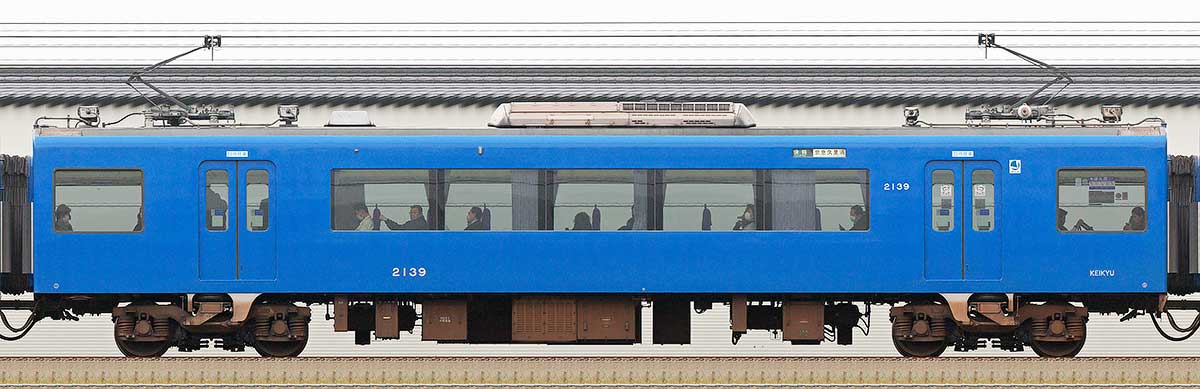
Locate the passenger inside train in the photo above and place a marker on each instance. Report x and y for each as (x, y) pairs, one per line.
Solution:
(365, 221)
(416, 220)
(859, 219)
(583, 222)
(1137, 220)
(746, 220)
(62, 218)
(475, 220)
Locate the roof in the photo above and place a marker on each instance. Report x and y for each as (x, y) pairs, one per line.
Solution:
(1150, 129)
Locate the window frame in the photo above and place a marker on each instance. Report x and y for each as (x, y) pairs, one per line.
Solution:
(762, 187)
(54, 198)
(995, 205)
(245, 189)
(550, 206)
(955, 203)
(229, 189)
(426, 207)
(1145, 195)
(756, 192)
(446, 179)
(866, 206)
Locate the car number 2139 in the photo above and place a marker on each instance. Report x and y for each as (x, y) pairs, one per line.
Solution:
(408, 272)
(896, 186)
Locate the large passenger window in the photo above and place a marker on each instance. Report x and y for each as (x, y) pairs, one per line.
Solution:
(703, 200)
(820, 200)
(98, 201)
(1101, 200)
(482, 200)
(600, 199)
(384, 200)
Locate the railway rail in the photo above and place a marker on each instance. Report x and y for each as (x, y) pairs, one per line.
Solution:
(600, 371)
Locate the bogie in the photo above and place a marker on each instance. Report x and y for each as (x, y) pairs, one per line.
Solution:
(1051, 329)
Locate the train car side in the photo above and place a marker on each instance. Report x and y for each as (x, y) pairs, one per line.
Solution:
(282, 242)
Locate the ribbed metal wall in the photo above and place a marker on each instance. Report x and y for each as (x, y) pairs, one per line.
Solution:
(1148, 85)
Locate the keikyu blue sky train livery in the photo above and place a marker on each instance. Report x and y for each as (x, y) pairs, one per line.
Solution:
(562, 223)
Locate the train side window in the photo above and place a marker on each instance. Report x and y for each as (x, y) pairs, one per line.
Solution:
(98, 201)
(943, 200)
(1101, 200)
(703, 200)
(580, 197)
(820, 200)
(983, 200)
(482, 200)
(258, 201)
(216, 199)
(385, 199)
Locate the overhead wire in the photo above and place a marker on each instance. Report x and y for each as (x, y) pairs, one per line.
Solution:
(603, 35)
(625, 22)
(603, 46)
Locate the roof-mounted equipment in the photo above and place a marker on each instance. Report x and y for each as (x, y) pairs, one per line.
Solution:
(349, 119)
(1021, 110)
(88, 114)
(176, 112)
(621, 114)
(288, 114)
(912, 116)
(1110, 113)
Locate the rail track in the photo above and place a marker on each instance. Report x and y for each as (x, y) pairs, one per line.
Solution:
(599, 371)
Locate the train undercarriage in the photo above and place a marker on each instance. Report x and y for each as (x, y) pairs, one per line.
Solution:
(278, 325)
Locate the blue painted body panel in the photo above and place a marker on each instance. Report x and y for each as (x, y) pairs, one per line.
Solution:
(310, 258)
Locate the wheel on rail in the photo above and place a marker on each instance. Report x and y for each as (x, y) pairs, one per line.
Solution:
(1052, 349)
(143, 349)
(141, 331)
(1055, 329)
(280, 335)
(920, 330)
(287, 349)
(920, 349)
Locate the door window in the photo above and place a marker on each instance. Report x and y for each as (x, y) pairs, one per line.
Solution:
(258, 202)
(983, 200)
(216, 200)
(943, 200)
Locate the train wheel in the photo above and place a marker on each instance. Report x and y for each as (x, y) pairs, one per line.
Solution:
(269, 337)
(1056, 330)
(917, 333)
(143, 336)
(1051, 349)
(281, 349)
(919, 349)
(143, 349)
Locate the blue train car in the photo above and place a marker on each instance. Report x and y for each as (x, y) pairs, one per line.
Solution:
(559, 235)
